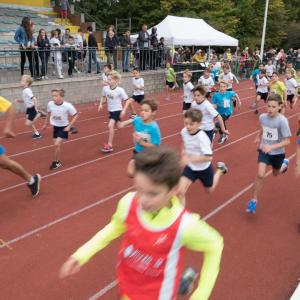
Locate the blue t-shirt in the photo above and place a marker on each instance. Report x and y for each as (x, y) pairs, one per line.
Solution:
(149, 132)
(254, 75)
(224, 102)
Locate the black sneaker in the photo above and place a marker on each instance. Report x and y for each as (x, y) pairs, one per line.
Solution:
(36, 136)
(73, 130)
(222, 167)
(222, 139)
(186, 282)
(55, 165)
(35, 186)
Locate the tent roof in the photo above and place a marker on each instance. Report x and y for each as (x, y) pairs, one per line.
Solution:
(191, 32)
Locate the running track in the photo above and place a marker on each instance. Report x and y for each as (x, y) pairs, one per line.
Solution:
(261, 256)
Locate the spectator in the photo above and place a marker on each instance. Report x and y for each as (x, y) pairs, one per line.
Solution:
(56, 47)
(297, 66)
(154, 49)
(80, 45)
(71, 54)
(161, 52)
(44, 51)
(64, 8)
(199, 57)
(92, 46)
(143, 44)
(24, 37)
(59, 35)
(111, 45)
(187, 57)
(126, 45)
(227, 56)
(66, 36)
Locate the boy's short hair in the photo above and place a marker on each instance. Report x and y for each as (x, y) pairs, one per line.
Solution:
(28, 79)
(136, 69)
(274, 97)
(160, 165)
(108, 66)
(223, 82)
(152, 104)
(199, 88)
(263, 72)
(60, 91)
(115, 75)
(207, 70)
(89, 29)
(194, 114)
(226, 66)
(188, 73)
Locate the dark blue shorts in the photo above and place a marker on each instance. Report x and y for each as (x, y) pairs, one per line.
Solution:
(31, 113)
(290, 98)
(115, 115)
(263, 96)
(205, 176)
(275, 160)
(210, 134)
(170, 84)
(2, 150)
(186, 106)
(138, 98)
(58, 132)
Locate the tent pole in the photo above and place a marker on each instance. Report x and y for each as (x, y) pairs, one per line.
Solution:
(208, 53)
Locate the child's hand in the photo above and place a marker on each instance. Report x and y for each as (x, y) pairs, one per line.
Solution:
(70, 267)
(100, 107)
(266, 148)
(184, 160)
(67, 129)
(257, 140)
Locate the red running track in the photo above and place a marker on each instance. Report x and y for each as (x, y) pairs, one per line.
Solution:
(261, 257)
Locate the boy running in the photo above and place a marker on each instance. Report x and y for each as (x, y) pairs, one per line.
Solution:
(262, 89)
(170, 79)
(270, 68)
(197, 156)
(209, 113)
(114, 96)
(187, 90)
(222, 102)
(207, 81)
(156, 229)
(146, 131)
(59, 112)
(273, 137)
(106, 70)
(278, 87)
(33, 181)
(291, 89)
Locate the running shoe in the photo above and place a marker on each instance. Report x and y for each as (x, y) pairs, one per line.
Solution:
(251, 208)
(36, 136)
(73, 130)
(222, 167)
(107, 148)
(35, 186)
(222, 139)
(256, 112)
(284, 166)
(187, 279)
(253, 105)
(55, 165)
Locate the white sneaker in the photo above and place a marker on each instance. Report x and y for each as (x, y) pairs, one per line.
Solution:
(61, 77)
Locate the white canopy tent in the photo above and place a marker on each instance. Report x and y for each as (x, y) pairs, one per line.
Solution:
(184, 31)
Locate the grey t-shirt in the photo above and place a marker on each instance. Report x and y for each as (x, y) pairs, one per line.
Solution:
(274, 131)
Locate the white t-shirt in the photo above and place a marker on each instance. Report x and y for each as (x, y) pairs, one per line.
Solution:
(27, 97)
(114, 98)
(262, 85)
(59, 114)
(79, 40)
(291, 86)
(140, 83)
(104, 78)
(197, 144)
(208, 83)
(187, 92)
(269, 70)
(208, 114)
(228, 78)
(54, 42)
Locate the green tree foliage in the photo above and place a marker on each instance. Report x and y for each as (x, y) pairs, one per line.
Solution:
(242, 19)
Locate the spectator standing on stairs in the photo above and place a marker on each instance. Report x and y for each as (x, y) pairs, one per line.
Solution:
(64, 8)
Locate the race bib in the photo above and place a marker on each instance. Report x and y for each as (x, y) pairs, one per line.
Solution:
(270, 134)
(57, 118)
(226, 103)
(144, 136)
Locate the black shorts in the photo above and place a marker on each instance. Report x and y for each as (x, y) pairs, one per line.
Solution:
(229, 90)
(186, 106)
(138, 98)
(205, 176)
(58, 132)
(115, 115)
(210, 134)
(275, 160)
(263, 96)
(207, 95)
(290, 98)
(31, 113)
(170, 84)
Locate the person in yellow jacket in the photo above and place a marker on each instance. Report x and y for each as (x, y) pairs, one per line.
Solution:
(156, 230)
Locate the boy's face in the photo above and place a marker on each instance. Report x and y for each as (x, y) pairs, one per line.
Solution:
(71, 41)
(275, 77)
(152, 196)
(198, 97)
(289, 65)
(273, 108)
(206, 74)
(146, 112)
(269, 62)
(135, 73)
(191, 126)
(24, 82)
(56, 97)
(223, 88)
(226, 71)
(111, 81)
(261, 67)
(289, 75)
(106, 70)
(185, 78)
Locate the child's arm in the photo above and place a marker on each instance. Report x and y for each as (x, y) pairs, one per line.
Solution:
(125, 123)
(235, 79)
(35, 102)
(258, 137)
(103, 99)
(111, 231)
(74, 118)
(267, 148)
(199, 236)
(238, 100)
(46, 121)
(127, 104)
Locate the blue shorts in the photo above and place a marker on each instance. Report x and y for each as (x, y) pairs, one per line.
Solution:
(210, 134)
(138, 98)
(58, 132)
(186, 106)
(205, 176)
(31, 113)
(298, 141)
(2, 150)
(275, 160)
(115, 115)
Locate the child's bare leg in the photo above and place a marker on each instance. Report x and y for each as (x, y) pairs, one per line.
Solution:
(131, 168)
(217, 176)
(10, 116)
(258, 183)
(13, 166)
(111, 131)
(57, 148)
(184, 184)
(167, 91)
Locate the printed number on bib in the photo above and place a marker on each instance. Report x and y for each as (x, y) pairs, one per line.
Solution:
(270, 134)
(226, 103)
(144, 136)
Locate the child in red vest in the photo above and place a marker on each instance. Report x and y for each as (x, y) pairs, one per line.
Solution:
(156, 230)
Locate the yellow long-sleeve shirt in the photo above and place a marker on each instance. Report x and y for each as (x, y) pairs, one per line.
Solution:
(197, 236)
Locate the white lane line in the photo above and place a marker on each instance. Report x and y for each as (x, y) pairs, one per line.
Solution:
(295, 296)
(112, 284)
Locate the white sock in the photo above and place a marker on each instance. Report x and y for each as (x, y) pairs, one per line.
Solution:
(31, 181)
